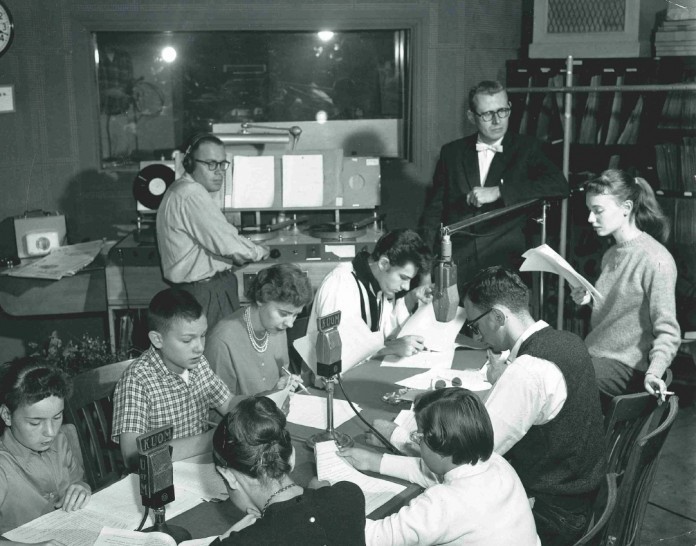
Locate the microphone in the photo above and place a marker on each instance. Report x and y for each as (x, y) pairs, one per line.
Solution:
(157, 479)
(329, 367)
(446, 296)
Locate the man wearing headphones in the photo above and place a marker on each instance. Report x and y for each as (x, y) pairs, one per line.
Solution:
(198, 247)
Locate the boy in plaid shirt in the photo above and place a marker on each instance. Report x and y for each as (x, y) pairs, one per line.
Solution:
(171, 383)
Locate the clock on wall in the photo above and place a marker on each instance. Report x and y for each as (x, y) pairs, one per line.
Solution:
(6, 28)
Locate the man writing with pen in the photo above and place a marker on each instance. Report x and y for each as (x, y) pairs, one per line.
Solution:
(489, 169)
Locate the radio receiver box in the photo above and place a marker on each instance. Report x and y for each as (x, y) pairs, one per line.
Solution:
(33, 233)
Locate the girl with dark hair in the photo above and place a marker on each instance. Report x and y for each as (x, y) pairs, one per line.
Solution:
(473, 496)
(635, 334)
(38, 471)
(249, 349)
(253, 453)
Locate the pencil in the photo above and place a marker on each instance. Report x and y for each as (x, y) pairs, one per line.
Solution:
(300, 385)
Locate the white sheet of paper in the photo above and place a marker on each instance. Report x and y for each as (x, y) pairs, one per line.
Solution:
(124, 537)
(303, 180)
(280, 396)
(406, 419)
(331, 468)
(355, 346)
(424, 359)
(437, 335)
(253, 182)
(310, 411)
(200, 479)
(474, 380)
(545, 258)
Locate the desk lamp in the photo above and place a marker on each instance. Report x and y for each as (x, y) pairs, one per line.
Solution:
(328, 347)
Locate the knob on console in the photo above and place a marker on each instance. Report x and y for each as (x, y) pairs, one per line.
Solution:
(275, 253)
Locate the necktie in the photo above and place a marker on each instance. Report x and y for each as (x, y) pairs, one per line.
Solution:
(480, 146)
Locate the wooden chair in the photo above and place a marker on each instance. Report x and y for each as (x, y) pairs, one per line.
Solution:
(601, 511)
(629, 416)
(636, 483)
(90, 410)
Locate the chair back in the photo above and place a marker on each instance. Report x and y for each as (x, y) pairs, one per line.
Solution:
(628, 415)
(601, 511)
(90, 409)
(636, 483)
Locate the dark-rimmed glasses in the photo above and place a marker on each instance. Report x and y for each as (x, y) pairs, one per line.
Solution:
(472, 325)
(215, 165)
(501, 113)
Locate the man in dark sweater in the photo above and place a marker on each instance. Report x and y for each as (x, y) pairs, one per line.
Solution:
(544, 405)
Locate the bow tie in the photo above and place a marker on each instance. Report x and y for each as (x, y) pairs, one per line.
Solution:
(480, 146)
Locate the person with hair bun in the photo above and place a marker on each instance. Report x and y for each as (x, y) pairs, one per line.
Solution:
(635, 333)
(249, 349)
(253, 453)
(38, 471)
(473, 496)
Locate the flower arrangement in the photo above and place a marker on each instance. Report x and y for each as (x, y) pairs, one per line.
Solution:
(75, 356)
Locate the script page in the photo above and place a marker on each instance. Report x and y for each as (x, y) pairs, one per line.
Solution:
(331, 468)
(438, 336)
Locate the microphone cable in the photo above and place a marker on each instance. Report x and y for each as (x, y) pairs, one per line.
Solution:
(142, 521)
(381, 438)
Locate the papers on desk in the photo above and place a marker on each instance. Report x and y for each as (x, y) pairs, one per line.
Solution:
(123, 537)
(474, 380)
(119, 506)
(545, 258)
(332, 468)
(310, 411)
(424, 359)
(63, 261)
(437, 336)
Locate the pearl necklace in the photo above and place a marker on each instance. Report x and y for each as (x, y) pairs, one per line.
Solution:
(259, 344)
(263, 511)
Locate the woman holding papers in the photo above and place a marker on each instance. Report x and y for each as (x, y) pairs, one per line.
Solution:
(38, 471)
(253, 453)
(249, 349)
(472, 496)
(635, 334)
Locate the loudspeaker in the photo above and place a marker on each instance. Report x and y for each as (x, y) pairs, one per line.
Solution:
(360, 182)
(34, 233)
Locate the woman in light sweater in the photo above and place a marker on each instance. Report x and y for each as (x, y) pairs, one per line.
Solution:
(473, 496)
(635, 334)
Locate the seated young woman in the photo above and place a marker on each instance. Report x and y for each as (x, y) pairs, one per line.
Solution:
(38, 471)
(249, 349)
(253, 452)
(473, 496)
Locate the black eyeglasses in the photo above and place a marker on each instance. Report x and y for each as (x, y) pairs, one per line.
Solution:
(472, 327)
(501, 113)
(214, 165)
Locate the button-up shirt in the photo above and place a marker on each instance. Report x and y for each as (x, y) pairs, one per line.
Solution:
(195, 239)
(149, 396)
(32, 482)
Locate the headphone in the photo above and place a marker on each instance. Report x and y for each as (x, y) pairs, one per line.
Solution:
(189, 162)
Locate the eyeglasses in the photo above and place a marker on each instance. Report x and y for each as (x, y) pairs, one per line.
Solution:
(214, 165)
(416, 437)
(501, 113)
(472, 326)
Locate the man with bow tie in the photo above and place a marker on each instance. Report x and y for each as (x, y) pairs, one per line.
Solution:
(484, 171)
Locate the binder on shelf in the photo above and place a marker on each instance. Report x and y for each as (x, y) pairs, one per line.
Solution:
(589, 125)
(630, 132)
(615, 115)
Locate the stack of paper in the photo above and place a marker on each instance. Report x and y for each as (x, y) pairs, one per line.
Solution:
(332, 468)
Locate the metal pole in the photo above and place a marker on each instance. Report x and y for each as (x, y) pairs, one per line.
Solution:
(567, 132)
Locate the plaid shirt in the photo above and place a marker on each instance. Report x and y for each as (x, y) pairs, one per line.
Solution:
(149, 395)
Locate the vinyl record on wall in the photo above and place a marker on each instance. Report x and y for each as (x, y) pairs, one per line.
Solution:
(151, 183)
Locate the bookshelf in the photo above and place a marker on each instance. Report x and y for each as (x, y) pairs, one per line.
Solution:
(636, 114)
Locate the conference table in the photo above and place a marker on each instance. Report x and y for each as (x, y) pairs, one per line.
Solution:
(365, 386)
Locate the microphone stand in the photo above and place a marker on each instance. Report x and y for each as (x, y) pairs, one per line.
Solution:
(341, 439)
(179, 534)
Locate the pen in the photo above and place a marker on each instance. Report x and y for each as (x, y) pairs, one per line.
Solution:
(299, 384)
